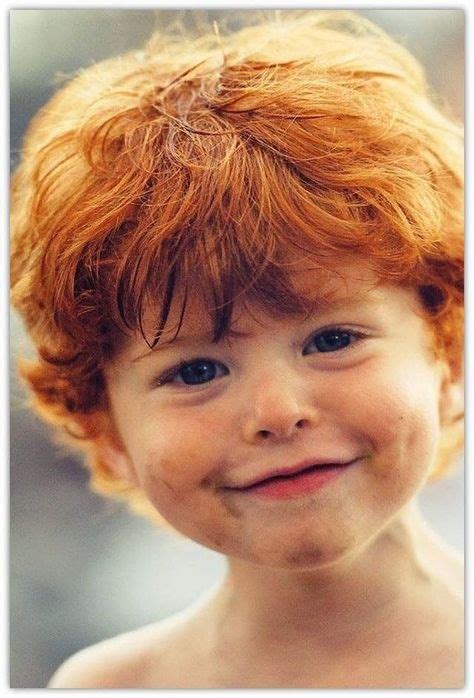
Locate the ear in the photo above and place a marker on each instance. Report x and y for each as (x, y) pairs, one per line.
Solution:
(451, 404)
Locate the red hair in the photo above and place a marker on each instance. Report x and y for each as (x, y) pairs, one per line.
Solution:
(205, 165)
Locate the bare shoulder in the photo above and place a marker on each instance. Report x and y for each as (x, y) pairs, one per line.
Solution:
(442, 656)
(449, 565)
(447, 614)
(124, 661)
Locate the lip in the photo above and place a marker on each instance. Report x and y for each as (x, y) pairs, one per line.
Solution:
(292, 483)
(298, 468)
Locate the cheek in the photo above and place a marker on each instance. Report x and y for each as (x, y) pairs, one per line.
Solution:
(399, 413)
(173, 460)
(174, 455)
(175, 481)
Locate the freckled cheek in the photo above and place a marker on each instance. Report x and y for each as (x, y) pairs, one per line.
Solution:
(191, 510)
(174, 481)
(400, 417)
(179, 453)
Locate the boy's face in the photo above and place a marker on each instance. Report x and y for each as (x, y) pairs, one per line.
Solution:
(353, 384)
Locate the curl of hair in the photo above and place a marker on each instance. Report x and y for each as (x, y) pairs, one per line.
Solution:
(204, 164)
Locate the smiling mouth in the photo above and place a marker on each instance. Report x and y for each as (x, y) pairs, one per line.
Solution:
(294, 476)
(282, 484)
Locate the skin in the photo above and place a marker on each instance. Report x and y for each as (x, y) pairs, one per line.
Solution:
(344, 586)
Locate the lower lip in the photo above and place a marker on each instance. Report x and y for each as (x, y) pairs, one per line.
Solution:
(297, 485)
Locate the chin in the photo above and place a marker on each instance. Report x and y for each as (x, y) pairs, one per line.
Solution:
(304, 554)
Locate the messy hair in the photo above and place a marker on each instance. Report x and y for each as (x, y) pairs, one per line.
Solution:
(205, 164)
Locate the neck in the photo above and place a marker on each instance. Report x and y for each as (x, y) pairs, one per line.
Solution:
(329, 604)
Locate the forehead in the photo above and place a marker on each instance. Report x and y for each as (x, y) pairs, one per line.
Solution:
(319, 286)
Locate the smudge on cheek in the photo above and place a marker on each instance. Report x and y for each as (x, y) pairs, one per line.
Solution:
(161, 488)
(192, 509)
(176, 474)
(231, 507)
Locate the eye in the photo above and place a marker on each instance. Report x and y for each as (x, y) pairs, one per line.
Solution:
(196, 372)
(331, 340)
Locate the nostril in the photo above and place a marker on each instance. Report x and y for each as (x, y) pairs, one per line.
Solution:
(267, 433)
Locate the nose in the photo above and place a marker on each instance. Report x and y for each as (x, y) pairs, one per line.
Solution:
(277, 410)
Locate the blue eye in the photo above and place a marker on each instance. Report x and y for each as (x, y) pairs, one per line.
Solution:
(197, 372)
(330, 341)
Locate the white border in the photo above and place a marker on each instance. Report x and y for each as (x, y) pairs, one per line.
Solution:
(243, 4)
(4, 405)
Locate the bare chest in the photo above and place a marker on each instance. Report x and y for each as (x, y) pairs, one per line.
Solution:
(423, 661)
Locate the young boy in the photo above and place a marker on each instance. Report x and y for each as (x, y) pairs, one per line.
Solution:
(241, 264)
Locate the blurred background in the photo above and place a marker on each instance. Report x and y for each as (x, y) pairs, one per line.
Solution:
(83, 568)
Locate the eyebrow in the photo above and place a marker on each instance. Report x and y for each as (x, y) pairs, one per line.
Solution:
(320, 305)
(189, 340)
(182, 339)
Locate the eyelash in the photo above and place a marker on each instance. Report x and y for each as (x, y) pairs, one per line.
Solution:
(170, 375)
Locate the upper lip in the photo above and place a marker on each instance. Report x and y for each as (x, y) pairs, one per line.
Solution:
(290, 471)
